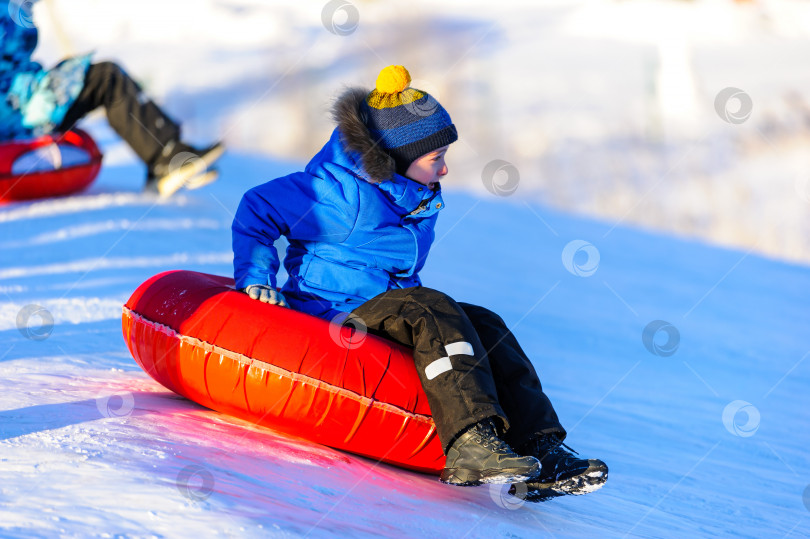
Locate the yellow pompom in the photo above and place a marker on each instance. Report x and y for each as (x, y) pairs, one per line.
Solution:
(393, 79)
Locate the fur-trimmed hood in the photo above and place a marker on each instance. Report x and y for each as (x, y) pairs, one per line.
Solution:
(350, 118)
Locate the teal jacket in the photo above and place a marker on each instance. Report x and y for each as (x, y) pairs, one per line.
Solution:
(34, 100)
(349, 239)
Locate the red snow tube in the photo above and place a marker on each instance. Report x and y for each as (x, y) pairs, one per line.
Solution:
(48, 166)
(298, 374)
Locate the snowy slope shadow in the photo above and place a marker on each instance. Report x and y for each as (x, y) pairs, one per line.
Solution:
(45, 417)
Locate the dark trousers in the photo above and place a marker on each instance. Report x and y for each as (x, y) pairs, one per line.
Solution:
(136, 119)
(471, 366)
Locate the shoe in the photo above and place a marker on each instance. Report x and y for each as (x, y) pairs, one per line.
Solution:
(479, 456)
(178, 164)
(562, 472)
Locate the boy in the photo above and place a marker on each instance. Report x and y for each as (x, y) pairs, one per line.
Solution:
(360, 222)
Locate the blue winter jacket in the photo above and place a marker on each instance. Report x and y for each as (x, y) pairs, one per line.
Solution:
(349, 239)
(33, 101)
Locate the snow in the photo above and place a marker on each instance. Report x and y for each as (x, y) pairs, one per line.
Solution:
(703, 422)
(90, 445)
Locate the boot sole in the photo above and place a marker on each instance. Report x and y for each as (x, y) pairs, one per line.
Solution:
(590, 480)
(201, 180)
(174, 181)
(464, 477)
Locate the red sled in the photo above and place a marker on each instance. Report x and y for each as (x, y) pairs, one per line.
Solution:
(49, 166)
(283, 369)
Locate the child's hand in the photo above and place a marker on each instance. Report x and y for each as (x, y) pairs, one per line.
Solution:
(266, 294)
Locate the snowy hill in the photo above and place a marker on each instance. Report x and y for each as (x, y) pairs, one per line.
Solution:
(706, 438)
(606, 107)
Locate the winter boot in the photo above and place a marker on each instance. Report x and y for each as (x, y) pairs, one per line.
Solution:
(180, 165)
(479, 456)
(562, 473)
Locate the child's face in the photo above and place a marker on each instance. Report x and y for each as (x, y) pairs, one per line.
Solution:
(429, 169)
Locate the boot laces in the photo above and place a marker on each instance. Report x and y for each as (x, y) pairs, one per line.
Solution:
(489, 437)
(561, 447)
(556, 457)
(549, 445)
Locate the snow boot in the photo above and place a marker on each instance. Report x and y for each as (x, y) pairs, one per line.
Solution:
(562, 472)
(479, 456)
(180, 165)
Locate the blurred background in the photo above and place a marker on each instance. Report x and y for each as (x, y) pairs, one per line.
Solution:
(689, 117)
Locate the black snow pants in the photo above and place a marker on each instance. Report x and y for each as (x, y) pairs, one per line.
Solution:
(136, 119)
(471, 366)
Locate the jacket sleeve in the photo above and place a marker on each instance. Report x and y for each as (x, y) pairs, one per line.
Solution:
(301, 207)
(18, 73)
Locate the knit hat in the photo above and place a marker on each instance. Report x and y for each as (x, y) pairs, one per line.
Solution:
(405, 122)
